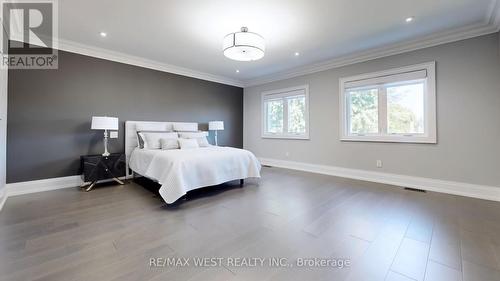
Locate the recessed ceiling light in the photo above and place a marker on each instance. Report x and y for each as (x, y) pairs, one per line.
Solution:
(237, 71)
(297, 54)
(103, 34)
(409, 19)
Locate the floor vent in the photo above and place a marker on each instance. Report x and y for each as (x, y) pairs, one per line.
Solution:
(415, 189)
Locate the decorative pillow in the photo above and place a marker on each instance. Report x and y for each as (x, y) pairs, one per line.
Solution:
(193, 135)
(188, 143)
(152, 139)
(140, 138)
(167, 144)
(185, 127)
(203, 142)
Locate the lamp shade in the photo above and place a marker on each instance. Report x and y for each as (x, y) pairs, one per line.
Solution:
(104, 123)
(216, 125)
(243, 46)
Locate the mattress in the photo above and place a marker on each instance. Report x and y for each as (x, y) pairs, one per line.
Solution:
(181, 170)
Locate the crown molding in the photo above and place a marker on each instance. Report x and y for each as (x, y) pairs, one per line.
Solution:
(385, 51)
(491, 24)
(106, 54)
(73, 47)
(102, 53)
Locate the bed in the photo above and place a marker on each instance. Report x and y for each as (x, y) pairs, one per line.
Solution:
(181, 170)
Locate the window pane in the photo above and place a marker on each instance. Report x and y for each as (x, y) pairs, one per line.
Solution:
(274, 116)
(405, 109)
(363, 111)
(296, 115)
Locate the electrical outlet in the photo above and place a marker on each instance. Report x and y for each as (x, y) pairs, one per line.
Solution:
(379, 163)
(113, 134)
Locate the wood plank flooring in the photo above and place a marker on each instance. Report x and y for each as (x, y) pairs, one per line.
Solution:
(387, 233)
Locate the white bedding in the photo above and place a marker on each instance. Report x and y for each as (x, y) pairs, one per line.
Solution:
(179, 171)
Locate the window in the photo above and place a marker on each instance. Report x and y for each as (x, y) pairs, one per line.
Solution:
(397, 105)
(285, 113)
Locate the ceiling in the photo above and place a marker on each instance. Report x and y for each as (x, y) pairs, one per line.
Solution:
(188, 33)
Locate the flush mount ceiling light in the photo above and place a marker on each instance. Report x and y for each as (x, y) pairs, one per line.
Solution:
(243, 45)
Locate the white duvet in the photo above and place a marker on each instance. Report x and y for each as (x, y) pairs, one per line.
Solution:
(179, 171)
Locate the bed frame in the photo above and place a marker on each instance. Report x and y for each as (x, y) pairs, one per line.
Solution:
(131, 137)
(131, 140)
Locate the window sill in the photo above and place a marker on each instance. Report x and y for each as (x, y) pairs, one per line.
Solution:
(391, 139)
(291, 137)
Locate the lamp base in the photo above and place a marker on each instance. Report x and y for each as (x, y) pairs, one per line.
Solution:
(106, 153)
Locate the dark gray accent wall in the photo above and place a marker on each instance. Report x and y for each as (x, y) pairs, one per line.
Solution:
(49, 111)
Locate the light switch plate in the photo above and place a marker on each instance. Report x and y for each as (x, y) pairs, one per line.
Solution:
(113, 134)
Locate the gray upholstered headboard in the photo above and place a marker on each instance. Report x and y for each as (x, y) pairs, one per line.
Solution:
(131, 135)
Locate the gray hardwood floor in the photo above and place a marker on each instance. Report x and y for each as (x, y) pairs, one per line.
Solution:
(386, 233)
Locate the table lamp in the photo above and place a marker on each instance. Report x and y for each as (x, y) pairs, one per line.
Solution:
(216, 126)
(105, 123)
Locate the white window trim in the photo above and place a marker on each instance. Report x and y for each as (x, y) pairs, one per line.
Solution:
(285, 135)
(430, 136)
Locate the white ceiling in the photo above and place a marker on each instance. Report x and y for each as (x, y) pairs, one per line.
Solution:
(188, 33)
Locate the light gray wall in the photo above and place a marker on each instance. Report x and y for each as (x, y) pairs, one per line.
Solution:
(50, 110)
(468, 118)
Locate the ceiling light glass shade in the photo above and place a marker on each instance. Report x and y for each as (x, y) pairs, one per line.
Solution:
(244, 46)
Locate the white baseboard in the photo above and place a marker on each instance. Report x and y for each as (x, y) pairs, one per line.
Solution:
(19, 188)
(442, 186)
(25, 187)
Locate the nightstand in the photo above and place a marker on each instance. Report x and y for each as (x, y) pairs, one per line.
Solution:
(96, 168)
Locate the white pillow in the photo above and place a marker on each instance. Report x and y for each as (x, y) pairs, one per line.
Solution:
(186, 127)
(152, 140)
(203, 142)
(193, 135)
(167, 144)
(188, 143)
(140, 136)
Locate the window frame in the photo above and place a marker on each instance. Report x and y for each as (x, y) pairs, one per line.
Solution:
(430, 125)
(283, 94)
